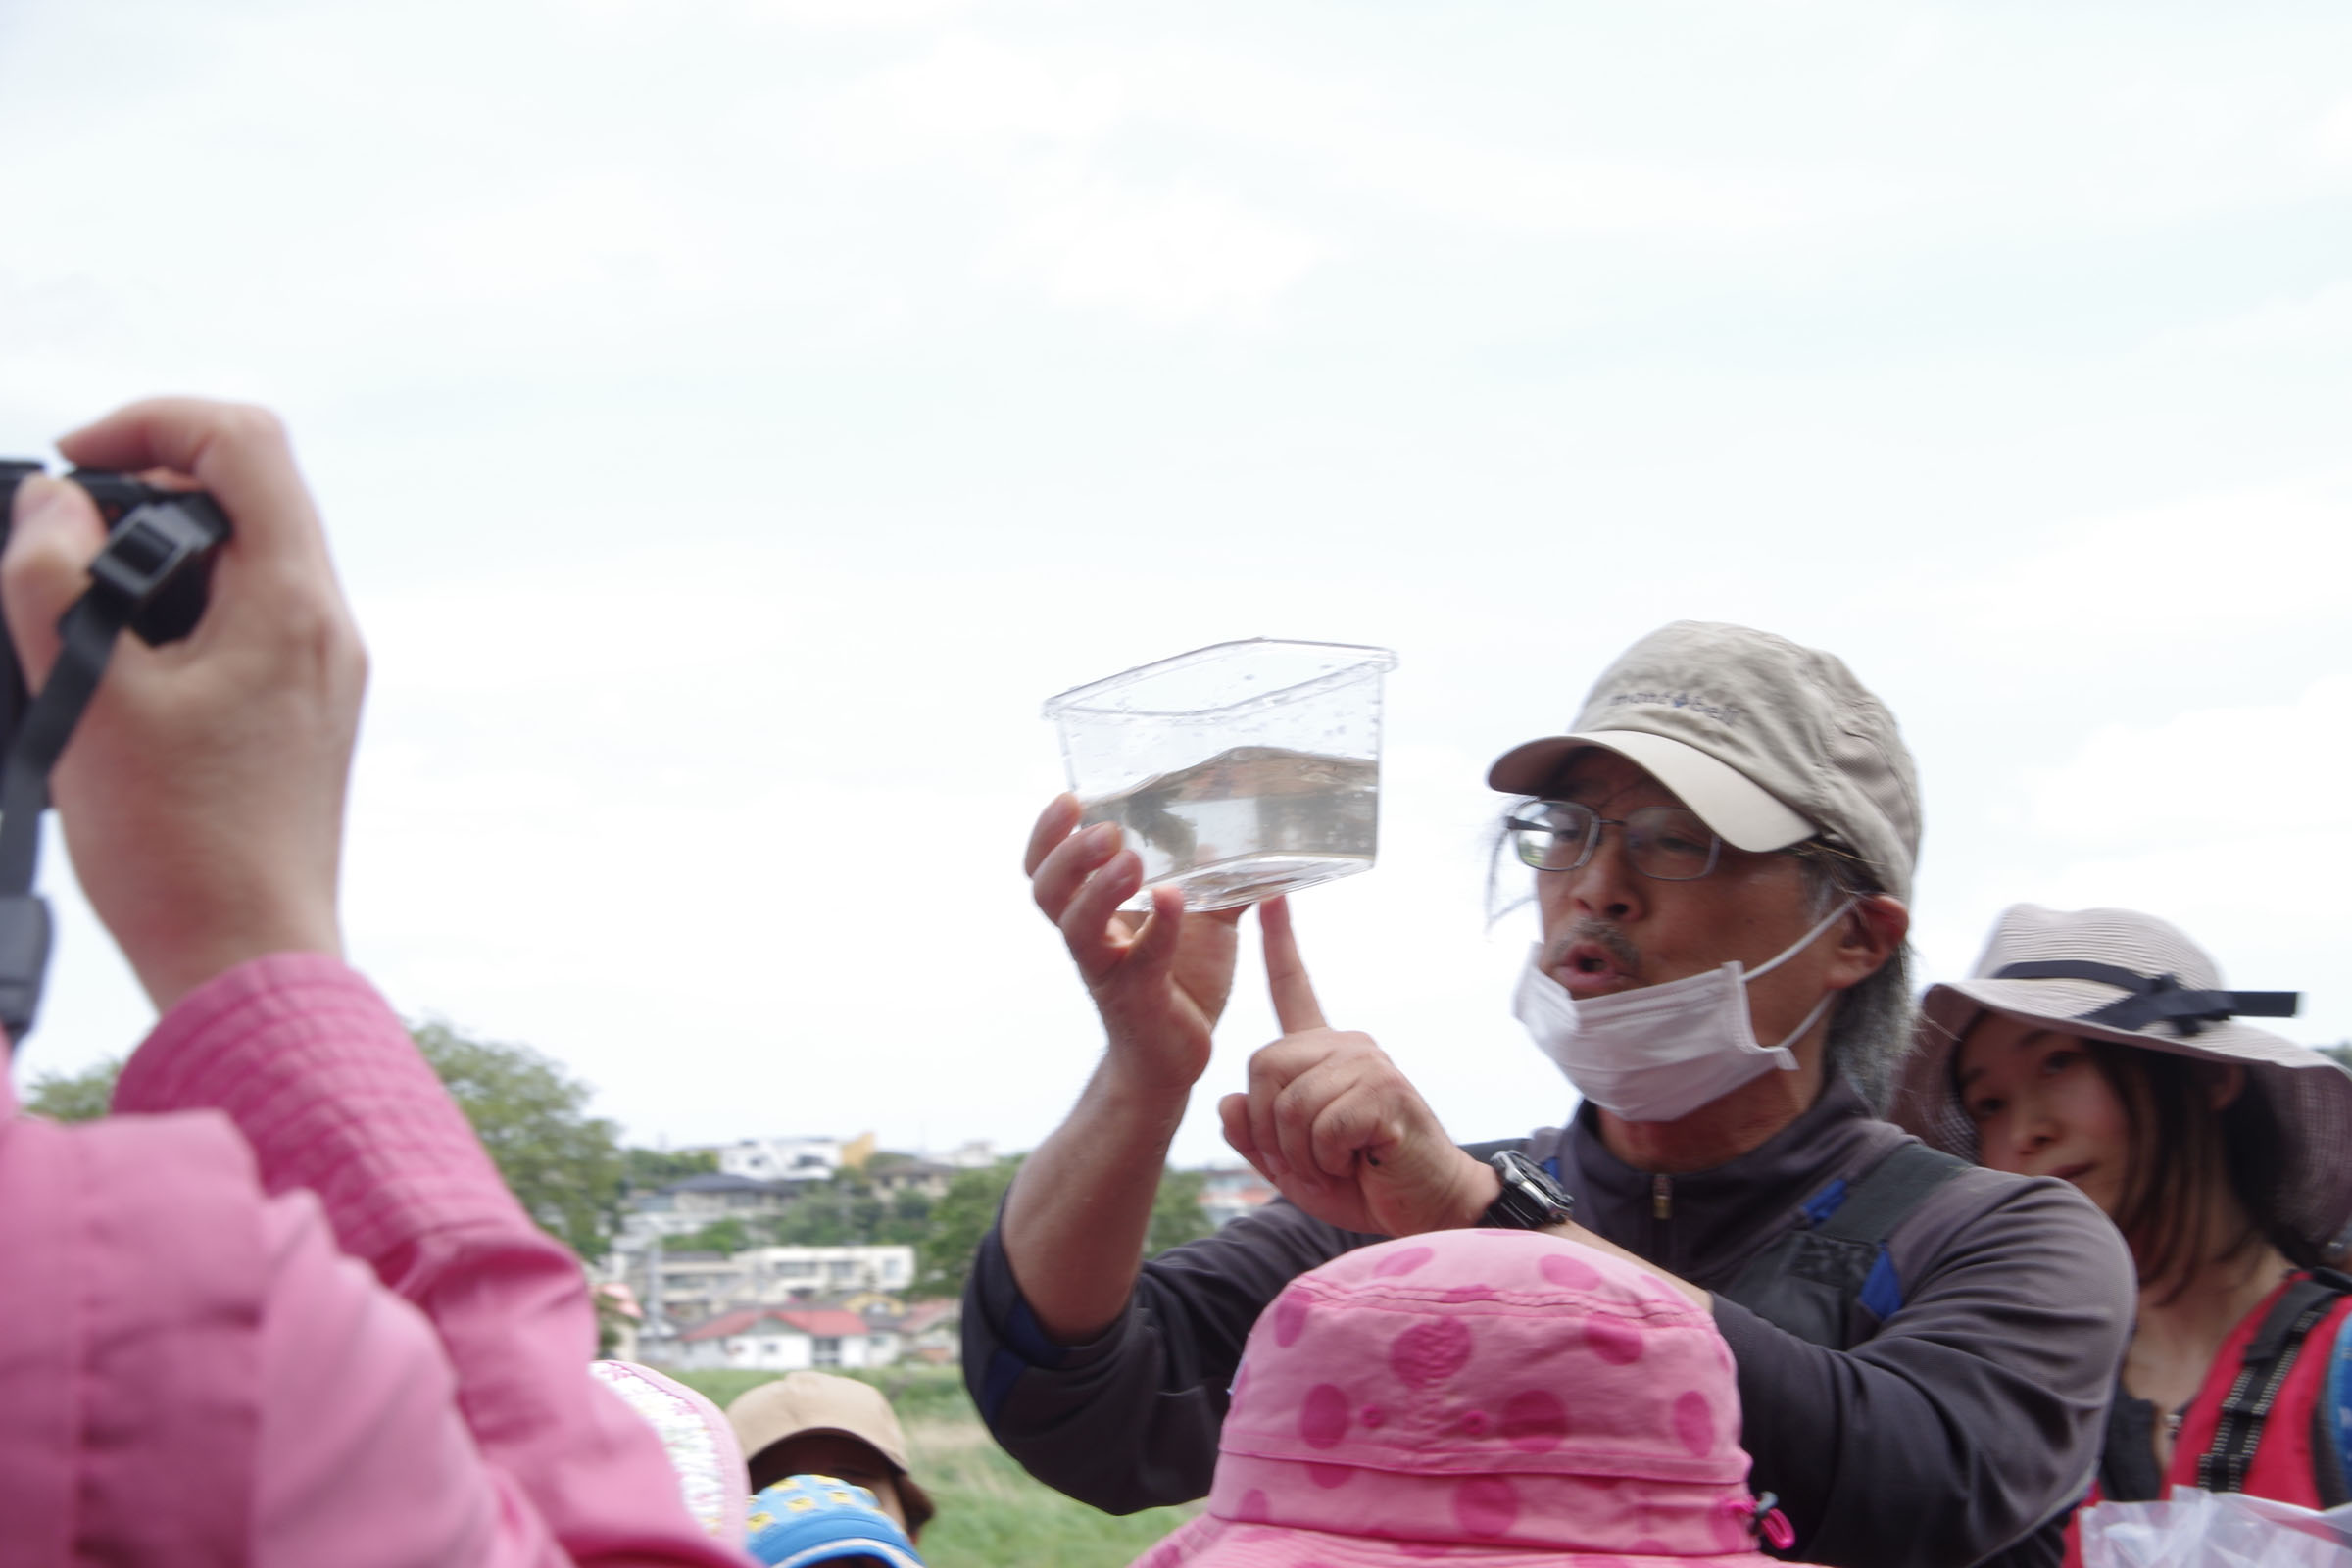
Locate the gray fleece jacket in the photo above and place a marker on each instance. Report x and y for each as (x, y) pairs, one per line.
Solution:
(1959, 1430)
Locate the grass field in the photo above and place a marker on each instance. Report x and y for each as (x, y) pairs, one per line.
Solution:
(991, 1513)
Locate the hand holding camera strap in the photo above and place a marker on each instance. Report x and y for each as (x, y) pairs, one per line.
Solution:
(146, 551)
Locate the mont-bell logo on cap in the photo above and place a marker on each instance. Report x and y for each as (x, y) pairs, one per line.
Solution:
(1721, 713)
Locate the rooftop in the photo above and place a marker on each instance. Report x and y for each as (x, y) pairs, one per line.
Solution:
(818, 1322)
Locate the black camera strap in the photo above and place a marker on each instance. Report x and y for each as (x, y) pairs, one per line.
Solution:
(146, 549)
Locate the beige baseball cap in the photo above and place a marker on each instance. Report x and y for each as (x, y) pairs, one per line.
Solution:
(818, 1401)
(1770, 742)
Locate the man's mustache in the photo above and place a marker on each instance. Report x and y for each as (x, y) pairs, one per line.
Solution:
(1604, 933)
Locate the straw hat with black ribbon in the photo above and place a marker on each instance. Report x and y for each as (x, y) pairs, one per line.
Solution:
(2114, 974)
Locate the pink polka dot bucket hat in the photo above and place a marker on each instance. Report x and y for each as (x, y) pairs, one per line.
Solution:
(1494, 1397)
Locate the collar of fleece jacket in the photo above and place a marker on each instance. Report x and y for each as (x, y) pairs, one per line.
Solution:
(1719, 1217)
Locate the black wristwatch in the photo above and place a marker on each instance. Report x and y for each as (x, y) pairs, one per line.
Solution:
(1531, 1200)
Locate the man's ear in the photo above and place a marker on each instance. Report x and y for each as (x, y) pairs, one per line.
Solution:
(1871, 933)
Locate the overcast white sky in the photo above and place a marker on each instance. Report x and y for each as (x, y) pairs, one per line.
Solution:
(735, 415)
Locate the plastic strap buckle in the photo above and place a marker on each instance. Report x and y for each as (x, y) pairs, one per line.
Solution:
(1767, 1520)
(146, 548)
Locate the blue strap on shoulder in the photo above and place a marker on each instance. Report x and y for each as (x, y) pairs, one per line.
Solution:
(1025, 1346)
(2339, 1392)
(1881, 1291)
(1819, 1208)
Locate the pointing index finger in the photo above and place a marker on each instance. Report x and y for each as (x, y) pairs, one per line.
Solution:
(1295, 1004)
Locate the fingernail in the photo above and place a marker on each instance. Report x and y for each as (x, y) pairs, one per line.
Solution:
(1101, 834)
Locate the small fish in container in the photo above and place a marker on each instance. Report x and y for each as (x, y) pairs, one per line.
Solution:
(1238, 770)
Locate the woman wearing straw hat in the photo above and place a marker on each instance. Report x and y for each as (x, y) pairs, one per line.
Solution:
(2099, 1047)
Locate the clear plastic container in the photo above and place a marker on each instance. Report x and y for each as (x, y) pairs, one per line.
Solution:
(1238, 770)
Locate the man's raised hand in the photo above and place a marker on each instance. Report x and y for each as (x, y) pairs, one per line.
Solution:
(1330, 1120)
(1159, 981)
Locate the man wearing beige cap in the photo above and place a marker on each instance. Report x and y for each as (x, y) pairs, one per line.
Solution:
(1720, 848)
(813, 1423)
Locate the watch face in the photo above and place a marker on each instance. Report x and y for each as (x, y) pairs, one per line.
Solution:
(1531, 1200)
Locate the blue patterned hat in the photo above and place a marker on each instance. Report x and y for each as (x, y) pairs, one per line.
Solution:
(812, 1519)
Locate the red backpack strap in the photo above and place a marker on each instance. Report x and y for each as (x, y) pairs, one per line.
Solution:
(2262, 1372)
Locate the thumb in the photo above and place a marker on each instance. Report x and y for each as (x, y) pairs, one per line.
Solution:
(1233, 1111)
(55, 535)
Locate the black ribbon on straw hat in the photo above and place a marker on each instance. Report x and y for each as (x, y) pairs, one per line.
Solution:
(2160, 999)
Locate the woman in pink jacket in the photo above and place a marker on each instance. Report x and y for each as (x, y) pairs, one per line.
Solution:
(280, 1309)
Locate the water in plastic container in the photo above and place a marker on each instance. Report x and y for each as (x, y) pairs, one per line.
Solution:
(1250, 822)
(1240, 771)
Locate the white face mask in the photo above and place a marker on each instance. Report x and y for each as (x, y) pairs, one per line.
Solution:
(1659, 1052)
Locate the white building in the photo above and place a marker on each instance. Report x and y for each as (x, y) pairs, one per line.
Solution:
(781, 1274)
(695, 1287)
(781, 1340)
(977, 1154)
(781, 1159)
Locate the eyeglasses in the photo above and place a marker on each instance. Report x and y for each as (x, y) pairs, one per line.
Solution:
(1670, 843)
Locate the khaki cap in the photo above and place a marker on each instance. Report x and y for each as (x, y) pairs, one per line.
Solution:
(815, 1401)
(1770, 742)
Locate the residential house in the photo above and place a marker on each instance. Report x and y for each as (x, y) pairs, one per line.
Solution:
(779, 1339)
(929, 1177)
(698, 1286)
(871, 1304)
(976, 1155)
(794, 1159)
(692, 1287)
(932, 1332)
(782, 1275)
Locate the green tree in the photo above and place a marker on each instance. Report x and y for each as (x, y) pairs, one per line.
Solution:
(847, 1211)
(1177, 1217)
(814, 1220)
(726, 1236)
(957, 1222)
(564, 1165)
(909, 1219)
(74, 1097)
(643, 1169)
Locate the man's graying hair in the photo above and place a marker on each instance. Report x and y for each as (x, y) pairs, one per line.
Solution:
(1870, 1026)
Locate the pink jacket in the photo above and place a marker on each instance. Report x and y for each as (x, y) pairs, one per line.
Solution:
(280, 1309)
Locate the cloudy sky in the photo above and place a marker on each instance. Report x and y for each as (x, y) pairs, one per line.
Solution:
(735, 415)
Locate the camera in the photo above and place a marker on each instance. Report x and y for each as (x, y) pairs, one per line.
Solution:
(158, 558)
(150, 577)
